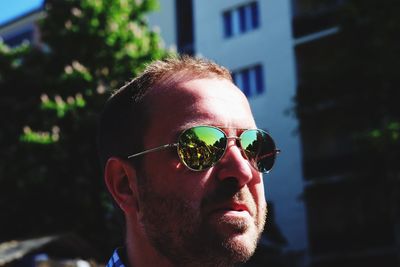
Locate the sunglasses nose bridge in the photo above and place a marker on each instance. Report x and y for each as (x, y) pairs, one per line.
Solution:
(236, 139)
(233, 137)
(238, 143)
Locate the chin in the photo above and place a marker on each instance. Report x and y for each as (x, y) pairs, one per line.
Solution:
(244, 243)
(241, 244)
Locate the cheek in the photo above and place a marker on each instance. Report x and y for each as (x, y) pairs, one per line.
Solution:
(258, 194)
(190, 186)
(168, 176)
(258, 191)
(160, 169)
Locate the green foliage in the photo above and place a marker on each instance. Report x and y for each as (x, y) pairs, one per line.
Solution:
(391, 131)
(385, 138)
(44, 138)
(51, 179)
(60, 106)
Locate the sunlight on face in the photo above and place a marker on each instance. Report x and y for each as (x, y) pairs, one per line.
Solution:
(214, 216)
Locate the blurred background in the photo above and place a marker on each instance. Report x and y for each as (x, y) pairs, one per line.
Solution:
(321, 77)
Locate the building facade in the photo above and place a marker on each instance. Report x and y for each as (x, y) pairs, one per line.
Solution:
(23, 28)
(351, 193)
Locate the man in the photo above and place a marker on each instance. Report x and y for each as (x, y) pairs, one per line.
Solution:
(183, 159)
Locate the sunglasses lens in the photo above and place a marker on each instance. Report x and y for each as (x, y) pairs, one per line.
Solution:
(259, 149)
(201, 147)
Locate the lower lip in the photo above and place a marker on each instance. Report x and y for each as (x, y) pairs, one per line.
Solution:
(232, 213)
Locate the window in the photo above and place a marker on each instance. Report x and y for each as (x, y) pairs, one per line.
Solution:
(19, 36)
(240, 20)
(184, 26)
(250, 80)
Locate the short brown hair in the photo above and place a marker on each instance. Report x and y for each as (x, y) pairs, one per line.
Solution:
(123, 121)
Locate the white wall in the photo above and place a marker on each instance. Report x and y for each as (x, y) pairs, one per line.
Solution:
(164, 20)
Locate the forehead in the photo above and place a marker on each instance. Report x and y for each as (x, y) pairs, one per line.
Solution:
(199, 102)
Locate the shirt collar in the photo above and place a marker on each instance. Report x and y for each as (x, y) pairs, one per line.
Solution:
(115, 260)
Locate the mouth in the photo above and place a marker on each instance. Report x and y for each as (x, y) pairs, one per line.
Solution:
(232, 208)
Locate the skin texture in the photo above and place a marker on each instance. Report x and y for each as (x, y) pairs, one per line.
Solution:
(179, 217)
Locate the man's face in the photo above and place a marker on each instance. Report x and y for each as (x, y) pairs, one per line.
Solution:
(214, 216)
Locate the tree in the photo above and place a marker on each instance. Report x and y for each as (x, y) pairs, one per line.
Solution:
(51, 95)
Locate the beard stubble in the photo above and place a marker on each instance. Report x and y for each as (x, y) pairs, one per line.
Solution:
(181, 231)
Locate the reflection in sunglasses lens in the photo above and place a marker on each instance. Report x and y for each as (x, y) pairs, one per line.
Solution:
(201, 147)
(259, 149)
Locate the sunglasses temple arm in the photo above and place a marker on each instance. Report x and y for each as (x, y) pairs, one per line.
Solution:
(152, 150)
(275, 152)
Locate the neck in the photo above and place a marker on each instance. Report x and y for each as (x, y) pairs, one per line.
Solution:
(139, 250)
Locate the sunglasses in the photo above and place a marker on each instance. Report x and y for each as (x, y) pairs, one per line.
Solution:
(201, 147)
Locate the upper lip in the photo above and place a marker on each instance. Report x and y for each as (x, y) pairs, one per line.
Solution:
(235, 206)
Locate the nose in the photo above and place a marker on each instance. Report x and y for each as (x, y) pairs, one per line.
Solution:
(234, 165)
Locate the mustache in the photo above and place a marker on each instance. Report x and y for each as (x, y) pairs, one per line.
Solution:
(227, 190)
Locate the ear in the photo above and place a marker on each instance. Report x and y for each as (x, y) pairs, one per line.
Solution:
(121, 180)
